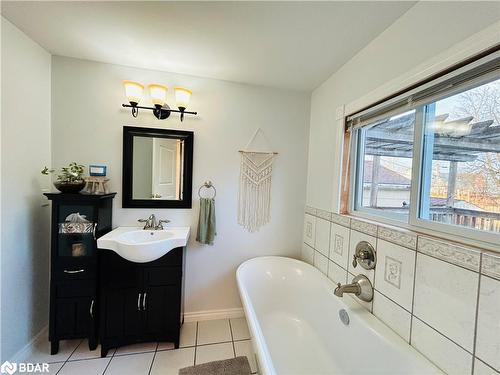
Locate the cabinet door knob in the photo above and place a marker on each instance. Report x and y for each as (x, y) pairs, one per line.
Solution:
(139, 302)
(92, 309)
(144, 301)
(74, 271)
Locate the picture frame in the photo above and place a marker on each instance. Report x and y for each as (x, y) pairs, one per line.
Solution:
(97, 170)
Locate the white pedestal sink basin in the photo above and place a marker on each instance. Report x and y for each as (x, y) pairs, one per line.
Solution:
(138, 245)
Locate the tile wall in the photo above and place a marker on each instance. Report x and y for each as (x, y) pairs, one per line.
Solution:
(442, 298)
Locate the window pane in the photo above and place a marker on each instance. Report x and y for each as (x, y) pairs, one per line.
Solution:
(461, 159)
(385, 162)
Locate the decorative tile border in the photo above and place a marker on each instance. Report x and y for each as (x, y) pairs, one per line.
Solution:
(448, 252)
(490, 265)
(363, 226)
(399, 237)
(310, 210)
(341, 220)
(322, 214)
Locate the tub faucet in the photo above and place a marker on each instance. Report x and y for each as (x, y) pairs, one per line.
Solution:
(152, 224)
(361, 287)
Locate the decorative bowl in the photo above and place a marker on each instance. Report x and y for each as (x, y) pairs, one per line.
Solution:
(70, 187)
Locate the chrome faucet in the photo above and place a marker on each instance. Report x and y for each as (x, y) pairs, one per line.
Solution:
(361, 287)
(152, 224)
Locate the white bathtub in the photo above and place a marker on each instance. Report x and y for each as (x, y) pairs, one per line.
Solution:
(293, 317)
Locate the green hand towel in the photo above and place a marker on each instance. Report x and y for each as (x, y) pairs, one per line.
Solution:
(206, 222)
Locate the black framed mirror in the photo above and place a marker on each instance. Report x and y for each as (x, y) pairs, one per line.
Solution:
(157, 168)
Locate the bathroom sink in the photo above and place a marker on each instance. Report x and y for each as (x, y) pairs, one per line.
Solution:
(138, 245)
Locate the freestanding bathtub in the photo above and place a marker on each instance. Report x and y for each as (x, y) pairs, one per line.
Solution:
(293, 317)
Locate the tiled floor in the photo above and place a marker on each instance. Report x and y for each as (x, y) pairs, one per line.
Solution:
(200, 342)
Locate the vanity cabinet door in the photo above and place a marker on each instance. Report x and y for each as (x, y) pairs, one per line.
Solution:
(123, 315)
(162, 311)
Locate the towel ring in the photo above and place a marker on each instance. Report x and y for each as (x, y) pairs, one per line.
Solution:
(207, 185)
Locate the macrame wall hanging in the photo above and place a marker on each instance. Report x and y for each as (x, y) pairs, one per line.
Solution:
(254, 199)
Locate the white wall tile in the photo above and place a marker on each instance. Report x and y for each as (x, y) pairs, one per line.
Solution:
(321, 262)
(444, 353)
(395, 272)
(309, 229)
(480, 368)
(355, 238)
(322, 241)
(339, 245)
(307, 254)
(445, 298)
(336, 273)
(488, 322)
(394, 316)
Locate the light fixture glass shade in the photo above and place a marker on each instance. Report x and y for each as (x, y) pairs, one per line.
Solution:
(133, 92)
(182, 97)
(158, 94)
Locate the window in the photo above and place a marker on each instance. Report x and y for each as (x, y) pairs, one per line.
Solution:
(461, 159)
(386, 165)
(431, 157)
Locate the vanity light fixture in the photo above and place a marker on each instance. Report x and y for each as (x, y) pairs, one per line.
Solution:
(158, 93)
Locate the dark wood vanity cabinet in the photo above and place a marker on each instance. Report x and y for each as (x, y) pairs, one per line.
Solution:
(140, 302)
(74, 260)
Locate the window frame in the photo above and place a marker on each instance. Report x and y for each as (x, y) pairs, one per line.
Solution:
(414, 222)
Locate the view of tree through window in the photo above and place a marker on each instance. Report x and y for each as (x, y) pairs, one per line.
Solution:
(461, 168)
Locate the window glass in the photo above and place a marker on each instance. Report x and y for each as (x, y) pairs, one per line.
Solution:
(461, 159)
(385, 164)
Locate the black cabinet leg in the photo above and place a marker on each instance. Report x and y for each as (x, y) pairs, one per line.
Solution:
(104, 351)
(176, 344)
(54, 347)
(92, 343)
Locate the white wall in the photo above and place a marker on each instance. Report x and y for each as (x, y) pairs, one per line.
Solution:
(87, 127)
(428, 37)
(25, 231)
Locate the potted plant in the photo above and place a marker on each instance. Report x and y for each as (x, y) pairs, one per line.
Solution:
(70, 180)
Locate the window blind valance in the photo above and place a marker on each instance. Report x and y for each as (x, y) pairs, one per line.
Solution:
(474, 71)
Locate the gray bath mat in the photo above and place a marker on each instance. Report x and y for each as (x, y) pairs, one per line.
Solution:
(233, 366)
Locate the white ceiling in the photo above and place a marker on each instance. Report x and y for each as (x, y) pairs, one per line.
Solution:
(292, 45)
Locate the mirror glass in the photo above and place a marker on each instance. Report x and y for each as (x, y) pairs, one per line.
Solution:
(158, 168)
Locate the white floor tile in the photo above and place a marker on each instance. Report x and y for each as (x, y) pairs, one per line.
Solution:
(188, 334)
(83, 352)
(482, 369)
(137, 348)
(213, 331)
(85, 367)
(41, 353)
(135, 364)
(245, 348)
(165, 346)
(239, 328)
(215, 352)
(169, 362)
(54, 368)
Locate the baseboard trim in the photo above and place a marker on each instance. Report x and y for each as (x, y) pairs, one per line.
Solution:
(23, 354)
(214, 314)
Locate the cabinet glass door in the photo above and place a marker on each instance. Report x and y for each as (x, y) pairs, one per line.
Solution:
(76, 231)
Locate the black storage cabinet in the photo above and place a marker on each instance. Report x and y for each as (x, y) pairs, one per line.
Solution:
(74, 266)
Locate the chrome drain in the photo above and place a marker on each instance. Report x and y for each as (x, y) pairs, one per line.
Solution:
(344, 317)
